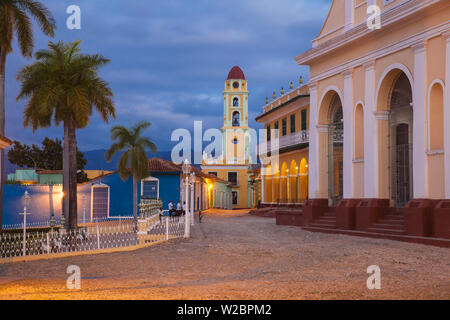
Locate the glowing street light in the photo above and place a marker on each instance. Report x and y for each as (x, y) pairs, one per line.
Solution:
(186, 171)
(26, 202)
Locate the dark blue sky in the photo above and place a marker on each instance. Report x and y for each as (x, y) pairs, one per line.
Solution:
(170, 59)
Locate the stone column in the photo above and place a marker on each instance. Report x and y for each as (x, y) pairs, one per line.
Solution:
(348, 115)
(263, 185)
(447, 116)
(349, 14)
(420, 160)
(313, 161)
(370, 135)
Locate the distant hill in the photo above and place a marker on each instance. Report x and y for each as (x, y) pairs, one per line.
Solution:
(95, 160)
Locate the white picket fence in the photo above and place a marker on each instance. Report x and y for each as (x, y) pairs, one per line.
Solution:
(95, 236)
(46, 223)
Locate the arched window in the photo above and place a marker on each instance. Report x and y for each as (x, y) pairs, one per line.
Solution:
(236, 102)
(236, 119)
(402, 93)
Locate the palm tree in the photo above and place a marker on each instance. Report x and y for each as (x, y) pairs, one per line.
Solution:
(63, 85)
(15, 19)
(134, 161)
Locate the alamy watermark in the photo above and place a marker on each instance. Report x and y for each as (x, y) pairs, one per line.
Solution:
(74, 280)
(373, 17)
(374, 281)
(73, 22)
(227, 146)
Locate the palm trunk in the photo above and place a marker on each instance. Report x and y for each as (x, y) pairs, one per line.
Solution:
(70, 176)
(135, 204)
(2, 127)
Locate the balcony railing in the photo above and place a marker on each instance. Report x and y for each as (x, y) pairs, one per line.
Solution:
(293, 139)
(296, 138)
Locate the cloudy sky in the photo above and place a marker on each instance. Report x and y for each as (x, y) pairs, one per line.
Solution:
(170, 59)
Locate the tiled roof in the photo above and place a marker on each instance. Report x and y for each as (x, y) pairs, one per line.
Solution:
(161, 165)
(6, 140)
(236, 73)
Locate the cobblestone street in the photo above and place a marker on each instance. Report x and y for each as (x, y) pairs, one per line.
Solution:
(237, 256)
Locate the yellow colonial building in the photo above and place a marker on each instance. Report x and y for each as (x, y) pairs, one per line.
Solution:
(284, 154)
(235, 163)
(380, 73)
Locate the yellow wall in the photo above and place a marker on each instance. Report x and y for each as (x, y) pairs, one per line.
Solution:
(242, 181)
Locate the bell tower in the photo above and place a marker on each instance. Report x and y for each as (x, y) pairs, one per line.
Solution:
(235, 120)
(233, 164)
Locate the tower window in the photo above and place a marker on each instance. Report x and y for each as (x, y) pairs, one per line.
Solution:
(236, 119)
(235, 84)
(268, 133)
(235, 102)
(235, 141)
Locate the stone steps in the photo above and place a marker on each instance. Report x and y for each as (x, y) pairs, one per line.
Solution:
(385, 231)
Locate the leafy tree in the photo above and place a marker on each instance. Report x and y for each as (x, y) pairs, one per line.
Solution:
(134, 160)
(63, 85)
(49, 157)
(15, 18)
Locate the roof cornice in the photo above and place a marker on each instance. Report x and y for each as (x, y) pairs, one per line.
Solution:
(388, 17)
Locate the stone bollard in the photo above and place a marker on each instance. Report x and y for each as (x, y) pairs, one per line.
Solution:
(142, 231)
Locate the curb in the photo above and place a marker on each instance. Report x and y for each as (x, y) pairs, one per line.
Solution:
(79, 253)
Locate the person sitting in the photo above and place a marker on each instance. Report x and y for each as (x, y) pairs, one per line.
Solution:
(160, 213)
(171, 209)
(184, 208)
(179, 209)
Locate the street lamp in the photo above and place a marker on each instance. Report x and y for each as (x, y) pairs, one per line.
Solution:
(186, 171)
(84, 211)
(63, 218)
(26, 202)
(193, 178)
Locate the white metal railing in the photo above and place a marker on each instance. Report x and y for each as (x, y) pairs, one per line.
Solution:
(338, 135)
(47, 223)
(95, 236)
(296, 138)
(292, 139)
(149, 207)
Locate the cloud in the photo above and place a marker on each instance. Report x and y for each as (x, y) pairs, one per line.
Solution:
(169, 59)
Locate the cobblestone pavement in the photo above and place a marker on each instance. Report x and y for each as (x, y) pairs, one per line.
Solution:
(237, 256)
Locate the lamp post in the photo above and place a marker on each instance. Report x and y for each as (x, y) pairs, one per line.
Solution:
(84, 211)
(187, 225)
(63, 218)
(192, 202)
(26, 200)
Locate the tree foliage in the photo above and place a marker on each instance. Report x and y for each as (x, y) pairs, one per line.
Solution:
(47, 157)
(134, 161)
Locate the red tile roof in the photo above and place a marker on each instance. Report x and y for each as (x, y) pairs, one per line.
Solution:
(236, 73)
(161, 165)
(6, 140)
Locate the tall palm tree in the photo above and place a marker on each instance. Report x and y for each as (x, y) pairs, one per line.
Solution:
(134, 161)
(63, 85)
(15, 19)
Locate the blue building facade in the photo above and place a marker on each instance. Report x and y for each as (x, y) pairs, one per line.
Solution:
(102, 198)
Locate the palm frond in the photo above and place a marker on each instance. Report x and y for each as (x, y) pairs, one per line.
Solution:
(41, 14)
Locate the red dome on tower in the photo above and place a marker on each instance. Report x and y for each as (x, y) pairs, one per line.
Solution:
(236, 74)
